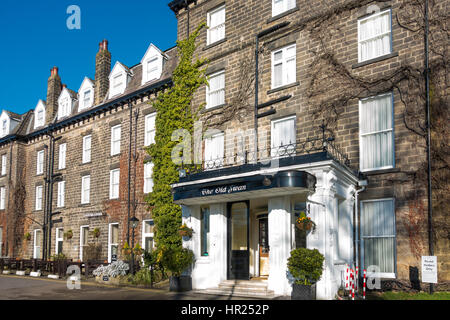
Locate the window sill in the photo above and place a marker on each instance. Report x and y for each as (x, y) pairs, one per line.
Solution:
(203, 260)
(283, 87)
(209, 46)
(374, 60)
(81, 205)
(114, 155)
(213, 108)
(380, 171)
(283, 14)
(85, 163)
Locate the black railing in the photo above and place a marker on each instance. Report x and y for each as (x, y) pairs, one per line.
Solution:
(300, 147)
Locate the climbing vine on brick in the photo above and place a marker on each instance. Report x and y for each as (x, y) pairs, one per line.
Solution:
(174, 112)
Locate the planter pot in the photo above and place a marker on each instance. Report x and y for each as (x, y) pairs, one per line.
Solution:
(305, 226)
(303, 292)
(180, 284)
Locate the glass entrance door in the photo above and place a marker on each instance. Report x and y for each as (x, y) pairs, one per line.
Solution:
(238, 241)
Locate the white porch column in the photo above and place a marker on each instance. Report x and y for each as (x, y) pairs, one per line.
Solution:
(280, 244)
(323, 208)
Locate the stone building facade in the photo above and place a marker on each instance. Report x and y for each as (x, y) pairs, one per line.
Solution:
(331, 77)
(83, 160)
(319, 63)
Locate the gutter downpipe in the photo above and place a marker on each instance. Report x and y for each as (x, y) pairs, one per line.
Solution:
(427, 88)
(130, 106)
(260, 35)
(356, 231)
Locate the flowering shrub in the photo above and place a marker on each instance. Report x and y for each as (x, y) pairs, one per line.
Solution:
(115, 269)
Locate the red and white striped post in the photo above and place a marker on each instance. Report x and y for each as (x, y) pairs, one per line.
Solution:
(353, 286)
(346, 279)
(356, 279)
(350, 284)
(364, 285)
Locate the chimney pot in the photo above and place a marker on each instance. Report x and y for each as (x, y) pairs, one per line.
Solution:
(104, 45)
(54, 71)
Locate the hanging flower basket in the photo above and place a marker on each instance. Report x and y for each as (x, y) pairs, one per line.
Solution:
(27, 236)
(305, 224)
(185, 231)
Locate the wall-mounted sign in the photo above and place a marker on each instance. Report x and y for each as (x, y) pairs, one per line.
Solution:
(429, 269)
(105, 278)
(223, 190)
(94, 214)
(113, 257)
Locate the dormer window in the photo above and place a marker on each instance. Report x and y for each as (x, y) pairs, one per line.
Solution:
(117, 82)
(65, 104)
(152, 64)
(4, 127)
(152, 68)
(39, 112)
(5, 124)
(87, 98)
(118, 79)
(86, 94)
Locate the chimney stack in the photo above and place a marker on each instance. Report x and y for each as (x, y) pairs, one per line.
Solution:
(102, 71)
(53, 92)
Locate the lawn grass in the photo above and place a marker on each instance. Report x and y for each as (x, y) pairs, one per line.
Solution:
(391, 295)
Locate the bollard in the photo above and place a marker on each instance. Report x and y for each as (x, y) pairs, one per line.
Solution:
(364, 285)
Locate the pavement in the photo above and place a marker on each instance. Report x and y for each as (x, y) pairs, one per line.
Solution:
(14, 287)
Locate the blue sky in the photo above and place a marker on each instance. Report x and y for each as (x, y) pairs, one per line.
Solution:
(34, 37)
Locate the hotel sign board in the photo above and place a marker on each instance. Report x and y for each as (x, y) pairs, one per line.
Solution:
(429, 269)
(214, 191)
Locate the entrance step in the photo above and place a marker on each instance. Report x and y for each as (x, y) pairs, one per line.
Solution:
(241, 288)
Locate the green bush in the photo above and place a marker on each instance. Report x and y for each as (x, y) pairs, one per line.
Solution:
(306, 265)
(142, 277)
(176, 260)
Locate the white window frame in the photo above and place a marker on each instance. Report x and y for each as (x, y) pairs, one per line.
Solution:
(274, 151)
(373, 16)
(376, 132)
(150, 131)
(284, 62)
(89, 100)
(118, 88)
(148, 177)
(210, 163)
(110, 244)
(40, 162)
(39, 196)
(61, 194)
(213, 28)
(210, 92)
(381, 274)
(35, 245)
(147, 235)
(57, 240)
(285, 7)
(4, 163)
(87, 151)
(40, 122)
(64, 107)
(153, 68)
(62, 156)
(114, 185)
(85, 188)
(115, 144)
(81, 239)
(2, 198)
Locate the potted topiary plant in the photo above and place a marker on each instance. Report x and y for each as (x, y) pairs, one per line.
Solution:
(306, 266)
(176, 261)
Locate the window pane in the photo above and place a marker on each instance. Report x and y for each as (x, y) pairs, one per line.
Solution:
(148, 227)
(204, 226)
(114, 233)
(278, 75)
(380, 252)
